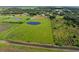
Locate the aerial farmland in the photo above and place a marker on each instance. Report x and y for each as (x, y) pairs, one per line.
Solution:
(39, 29)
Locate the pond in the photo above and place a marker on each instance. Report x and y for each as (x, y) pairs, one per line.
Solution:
(34, 23)
(16, 18)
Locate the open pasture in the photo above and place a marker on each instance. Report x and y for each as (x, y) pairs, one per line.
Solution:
(40, 33)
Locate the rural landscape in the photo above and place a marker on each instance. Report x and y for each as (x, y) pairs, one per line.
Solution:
(39, 28)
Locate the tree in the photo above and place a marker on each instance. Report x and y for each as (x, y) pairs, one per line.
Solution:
(51, 17)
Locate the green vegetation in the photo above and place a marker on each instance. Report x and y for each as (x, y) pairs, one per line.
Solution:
(30, 33)
(58, 26)
(64, 34)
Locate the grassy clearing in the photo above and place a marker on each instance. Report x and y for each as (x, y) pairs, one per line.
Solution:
(31, 33)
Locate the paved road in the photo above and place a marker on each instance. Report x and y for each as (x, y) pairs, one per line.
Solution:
(70, 49)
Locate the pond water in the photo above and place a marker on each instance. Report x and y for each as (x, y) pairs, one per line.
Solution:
(33, 23)
(16, 18)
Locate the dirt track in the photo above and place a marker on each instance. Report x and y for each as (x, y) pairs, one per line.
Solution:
(70, 49)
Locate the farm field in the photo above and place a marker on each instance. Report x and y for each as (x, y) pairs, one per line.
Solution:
(26, 32)
(29, 28)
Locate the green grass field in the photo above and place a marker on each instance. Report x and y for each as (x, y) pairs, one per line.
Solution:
(25, 32)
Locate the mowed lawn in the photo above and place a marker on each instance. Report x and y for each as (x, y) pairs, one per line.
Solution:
(29, 33)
